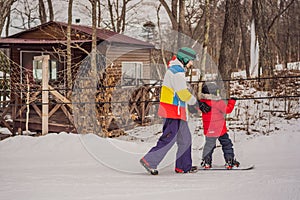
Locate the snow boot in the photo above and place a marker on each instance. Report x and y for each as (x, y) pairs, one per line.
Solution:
(193, 169)
(206, 163)
(230, 163)
(146, 165)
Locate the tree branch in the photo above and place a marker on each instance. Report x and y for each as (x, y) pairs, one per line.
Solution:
(279, 14)
(171, 16)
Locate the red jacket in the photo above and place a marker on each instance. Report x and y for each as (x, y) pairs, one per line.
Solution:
(214, 123)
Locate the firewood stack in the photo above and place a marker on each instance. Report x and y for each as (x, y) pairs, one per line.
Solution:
(107, 87)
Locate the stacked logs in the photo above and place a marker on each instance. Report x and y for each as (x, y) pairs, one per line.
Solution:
(122, 107)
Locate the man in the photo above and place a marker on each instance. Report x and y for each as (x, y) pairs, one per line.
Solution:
(174, 100)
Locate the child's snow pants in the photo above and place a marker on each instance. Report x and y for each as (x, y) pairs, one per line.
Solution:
(210, 145)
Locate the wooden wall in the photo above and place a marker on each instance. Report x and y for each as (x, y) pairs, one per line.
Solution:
(124, 53)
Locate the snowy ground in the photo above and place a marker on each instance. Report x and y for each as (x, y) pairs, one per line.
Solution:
(67, 166)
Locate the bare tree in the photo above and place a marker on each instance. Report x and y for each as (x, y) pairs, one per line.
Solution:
(264, 19)
(228, 45)
(206, 36)
(172, 13)
(117, 11)
(29, 13)
(217, 10)
(286, 32)
(94, 35)
(7, 25)
(185, 17)
(182, 27)
(99, 18)
(5, 6)
(205, 44)
(69, 50)
(51, 11)
(245, 44)
(42, 12)
(26, 12)
(259, 12)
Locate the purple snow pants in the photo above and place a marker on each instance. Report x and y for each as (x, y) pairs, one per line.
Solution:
(174, 130)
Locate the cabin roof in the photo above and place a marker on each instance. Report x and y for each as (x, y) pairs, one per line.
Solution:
(102, 34)
(36, 41)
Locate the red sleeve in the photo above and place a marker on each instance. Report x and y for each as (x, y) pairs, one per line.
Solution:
(230, 106)
(226, 108)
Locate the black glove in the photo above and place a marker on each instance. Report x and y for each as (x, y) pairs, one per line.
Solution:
(204, 107)
(234, 98)
(192, 109)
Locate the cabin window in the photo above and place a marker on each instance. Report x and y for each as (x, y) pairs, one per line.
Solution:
(33, 67)
(132, 73)
(37, 70)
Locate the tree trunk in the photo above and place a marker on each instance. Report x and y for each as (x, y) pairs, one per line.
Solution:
(42, 12)
(117, 14)
(205, 44)
(206, 35)
(174, 7)
(265, 64)
(181, 23)
(69, 50)
(4, 10)
(99, 19)
(243, 25)
(51, 12)
(110, 9)
(171, 13)
(228, 45)
(7, 25)
(123, 17)
(94, 36)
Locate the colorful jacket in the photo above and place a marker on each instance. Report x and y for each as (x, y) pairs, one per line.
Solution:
(174, 95)
(214, 123)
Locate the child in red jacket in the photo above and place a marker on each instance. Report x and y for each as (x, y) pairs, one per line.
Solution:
(214, 126)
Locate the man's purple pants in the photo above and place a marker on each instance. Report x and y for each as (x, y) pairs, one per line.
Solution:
(174, 130)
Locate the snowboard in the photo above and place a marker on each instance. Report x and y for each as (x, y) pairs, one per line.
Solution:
(222, 168)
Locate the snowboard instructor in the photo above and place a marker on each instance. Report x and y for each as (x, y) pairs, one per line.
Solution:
(174, 100)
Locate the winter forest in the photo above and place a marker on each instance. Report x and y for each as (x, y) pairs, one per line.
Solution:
(80, 85)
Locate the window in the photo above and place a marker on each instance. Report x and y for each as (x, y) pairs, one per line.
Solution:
(34, 67)
(37, 70)
(132, 72)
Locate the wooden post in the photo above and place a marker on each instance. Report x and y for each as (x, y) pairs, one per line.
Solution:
(27, 104)
(45, 92)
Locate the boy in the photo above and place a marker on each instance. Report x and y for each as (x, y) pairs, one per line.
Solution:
(214, 126)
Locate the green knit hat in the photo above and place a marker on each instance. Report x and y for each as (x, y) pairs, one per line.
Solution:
(185, 54)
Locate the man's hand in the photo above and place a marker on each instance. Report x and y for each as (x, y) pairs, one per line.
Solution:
(204, 107)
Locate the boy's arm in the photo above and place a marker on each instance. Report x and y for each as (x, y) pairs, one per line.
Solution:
(223, 108)
(230, 105)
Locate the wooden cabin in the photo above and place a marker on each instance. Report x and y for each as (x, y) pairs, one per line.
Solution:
(126, 61)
